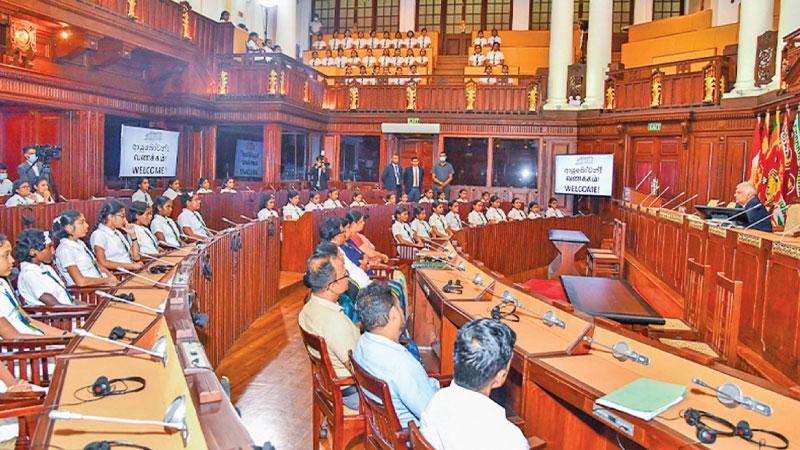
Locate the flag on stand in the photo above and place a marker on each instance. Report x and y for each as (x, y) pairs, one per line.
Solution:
(790, 158)
(771, 168)
(755, 152)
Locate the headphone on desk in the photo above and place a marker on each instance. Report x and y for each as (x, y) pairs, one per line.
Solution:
(118, 333)
(708, 435)
(104, 387)
(108, 445)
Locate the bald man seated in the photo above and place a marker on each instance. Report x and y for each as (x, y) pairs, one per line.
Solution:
(757, 214)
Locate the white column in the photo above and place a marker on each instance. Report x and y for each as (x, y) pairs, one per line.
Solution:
(724, 12)
(408, 16)
(560, 53)
(521, 14)
(598, 54)
(303, 19)
(789, 21)
(756, 18)
(642, 11)
(286, 32)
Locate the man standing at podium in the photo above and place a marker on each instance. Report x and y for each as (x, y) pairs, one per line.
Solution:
(746, 198)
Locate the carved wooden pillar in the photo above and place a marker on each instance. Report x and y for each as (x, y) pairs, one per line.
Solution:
(79, 172)
(272, 153)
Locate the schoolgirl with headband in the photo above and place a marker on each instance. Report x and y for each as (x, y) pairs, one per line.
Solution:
(190, 220)
(162, 225)
(38, 283)
(267, 210)
(114, 241)
(75, 263)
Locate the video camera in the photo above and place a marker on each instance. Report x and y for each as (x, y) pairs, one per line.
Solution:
(47, 152)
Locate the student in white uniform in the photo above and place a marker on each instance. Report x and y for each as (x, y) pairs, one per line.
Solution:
(442, 197)
(315, 60)
(347, 41)
(141, 215)
(162, 225)
(453, 217)
(462, 416)
(423, 40)
(267, 206)
(479, 39)
(173, 189)
(190, 220)
(315, 203)
(438, 222)
(403, 200)
(335, 42)
(340, 61)
(427, 196)
(422, 60)
(75, 263)
(552, 209)
(204, 186)
(333, 202)
(328, 60)
(420, 223)
(142, 194)
(495, 57)
(386, 58)
(533, 211)
(494, 38)
(386, 42)
(369, 59)
(22, 194)
(476, 216)
(292, 210)
(462, 196)
(410, 41)
(391, 199)
(488, 77)
(14, 322)
(360, 41)
(402, 232)
(114, 242)
(495, 213)
(485, 197)
(6, 186)
(409, 59)
(358, 200)
(319, 43)
(398, 40)
(38, 283)
(41, 191)
(229, 186)
(398, 59)
(374, 41)
(517, 211)
(476, 59)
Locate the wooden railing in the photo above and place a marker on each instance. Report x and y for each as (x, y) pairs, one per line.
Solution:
(662, 241)
(695, 82)
(790, 63)
(512, 248)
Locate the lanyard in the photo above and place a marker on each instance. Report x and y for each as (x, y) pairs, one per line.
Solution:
(150, 236)
(60, 283)
(20, 313)
(122, 239)
(171, 226)
(91, 257)
(200, 218)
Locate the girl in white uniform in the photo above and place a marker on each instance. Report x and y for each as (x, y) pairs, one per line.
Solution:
(267, 210)
(14, 322)
(41, 191)
(517, 212)
(315, 204)
(75, 263)
(533, 211)
(204, 186)
(453, 217)
(552, 209)
(162, 225)
(114, 242)
(427, 196)
(333, 201)
(438, 222)
(420, 225)
(462, 196)
(228, 187)
(141, 215)
(38, 283)
(495, 213)
(22, 194)
(402, 232)
(190, 220)
(173, 189)
(292, 210)
(358, 200)
(476, 216)
(142, 194)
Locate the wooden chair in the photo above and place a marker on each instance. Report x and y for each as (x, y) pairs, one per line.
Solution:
(418, 441)
(608, 262)
(695, 308)
(31, 360)
(384, 430)
(384, 272)
(86, 295)
(26, 407)
(62, 317)
(344, 424)
(727, 309)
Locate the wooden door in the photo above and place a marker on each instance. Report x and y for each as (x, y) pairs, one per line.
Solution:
(456, 43)
(663, 157)
(422, 149)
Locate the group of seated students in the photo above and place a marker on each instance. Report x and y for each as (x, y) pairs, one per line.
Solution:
(25, 193)
(460, 415)
(255, 44)
(388, 58)
(346, 41)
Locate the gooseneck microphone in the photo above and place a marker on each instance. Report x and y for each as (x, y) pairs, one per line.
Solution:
(230, 222)
(166, 244)
(114, 298)
(461, 267)
(249, 219)
(684, 202)
(67, 415)
(673, 199)
(646, 176)
(621, 351)
(159, 350)
(730, 395)
(659, 196)
(136, 275)
(153, 258)
(549, 318)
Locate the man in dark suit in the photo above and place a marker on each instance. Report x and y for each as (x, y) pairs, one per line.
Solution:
(757, 214)
(320, 174)
(392, 177)
(412, 180)
(31, 168)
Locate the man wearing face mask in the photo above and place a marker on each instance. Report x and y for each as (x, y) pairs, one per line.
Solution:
(442, 176)
(6, 186)
(31, 168)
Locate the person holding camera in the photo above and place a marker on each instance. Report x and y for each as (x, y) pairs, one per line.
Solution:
(31, 168)
(320, 174)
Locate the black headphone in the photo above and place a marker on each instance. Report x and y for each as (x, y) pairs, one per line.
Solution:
(744, 431)
(129, 296)
(159, 269)
(108, 445)
(708, 435)
(104, 387)
(118, 333)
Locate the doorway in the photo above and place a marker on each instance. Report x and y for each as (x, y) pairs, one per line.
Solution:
(422, 148)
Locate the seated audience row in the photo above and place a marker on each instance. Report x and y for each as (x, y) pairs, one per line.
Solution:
(382, 76)
(25, 194)
(361, 40)
(495, 57)
(387, 59)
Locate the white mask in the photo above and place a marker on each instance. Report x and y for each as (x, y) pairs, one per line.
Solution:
(442, 158)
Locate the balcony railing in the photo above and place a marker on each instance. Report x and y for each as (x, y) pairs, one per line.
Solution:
(790, 63)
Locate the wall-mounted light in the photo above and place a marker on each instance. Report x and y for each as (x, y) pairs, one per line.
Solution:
(65, 34)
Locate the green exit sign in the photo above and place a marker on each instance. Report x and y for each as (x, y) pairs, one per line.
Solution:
(654, 126)
(413, 120)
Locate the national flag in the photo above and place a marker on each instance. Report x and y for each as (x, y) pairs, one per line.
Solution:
(790, 161)
(796, 137)
(755, 152)
(771, 170)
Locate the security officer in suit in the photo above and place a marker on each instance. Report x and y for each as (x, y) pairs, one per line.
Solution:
(320, 174)
(31, 168)
(746, 198)
(412, 180)
(392, 177)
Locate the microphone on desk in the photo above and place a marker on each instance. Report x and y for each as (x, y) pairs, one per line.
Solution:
(153, 258)
(249, 219)
(785, 232)
(549, 317)
(187, 237)
(768, 216)
(166, 244)
(730, 395)
(174, 418)
(744, 211)
(211, 230)
(158, 351)
(645, 199)
(460, 267)
(659, 196)
(136, 275)
(684, 202)
(436, 247)
(673, 199)
(63, 198)
(248, 188)
(114, 298)
(622, 351)
(229, 221)
(646, 176)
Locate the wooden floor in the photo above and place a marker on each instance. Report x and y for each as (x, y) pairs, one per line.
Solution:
(270, 374)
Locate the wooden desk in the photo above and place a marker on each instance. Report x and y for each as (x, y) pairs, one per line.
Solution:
(610, 298)
(568, 243)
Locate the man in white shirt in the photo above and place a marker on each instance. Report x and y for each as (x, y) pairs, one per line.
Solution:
(476, 59)
(462, 416)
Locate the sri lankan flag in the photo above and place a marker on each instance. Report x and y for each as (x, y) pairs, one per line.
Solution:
(771, 168)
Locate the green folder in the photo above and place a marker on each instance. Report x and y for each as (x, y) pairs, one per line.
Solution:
(644, 398)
